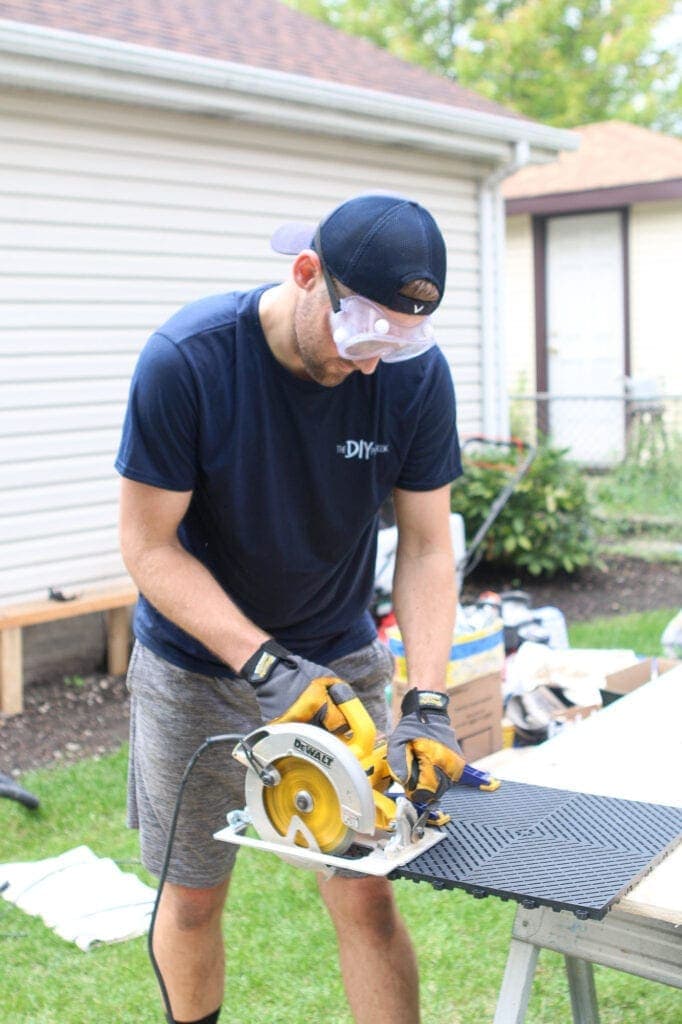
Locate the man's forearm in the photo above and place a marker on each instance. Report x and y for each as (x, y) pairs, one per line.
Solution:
(425, 602)
(183, 590)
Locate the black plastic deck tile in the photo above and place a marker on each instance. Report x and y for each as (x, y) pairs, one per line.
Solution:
(566, 850)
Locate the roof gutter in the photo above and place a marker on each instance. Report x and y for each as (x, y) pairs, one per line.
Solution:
(34, 57)
(492, 245)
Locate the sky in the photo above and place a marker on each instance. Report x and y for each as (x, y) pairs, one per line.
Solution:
(670, 30)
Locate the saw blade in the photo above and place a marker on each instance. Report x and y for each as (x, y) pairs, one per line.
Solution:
(322, 799)
(306, 794)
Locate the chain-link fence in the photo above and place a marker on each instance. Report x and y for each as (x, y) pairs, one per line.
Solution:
(601, 431)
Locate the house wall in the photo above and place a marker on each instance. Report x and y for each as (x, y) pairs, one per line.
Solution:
(655, 250)
(655, 263)
(111, 218)
(519, 307)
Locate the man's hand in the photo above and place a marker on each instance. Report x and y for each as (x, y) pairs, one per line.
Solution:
(290, 689)
(423, 754)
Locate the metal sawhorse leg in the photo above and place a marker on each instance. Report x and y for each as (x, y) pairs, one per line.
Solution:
(628, 942)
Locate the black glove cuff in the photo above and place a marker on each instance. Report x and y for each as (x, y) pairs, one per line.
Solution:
(262, 664)
(424, 702)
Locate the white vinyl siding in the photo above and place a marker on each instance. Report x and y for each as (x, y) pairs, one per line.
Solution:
(110, 219)
(655, 264)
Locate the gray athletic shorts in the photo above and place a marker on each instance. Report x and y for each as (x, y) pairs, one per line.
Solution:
(172, 712)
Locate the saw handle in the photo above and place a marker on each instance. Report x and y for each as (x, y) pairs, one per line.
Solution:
(361, 734)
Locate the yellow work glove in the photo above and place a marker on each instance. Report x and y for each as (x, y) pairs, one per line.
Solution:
(290, 689)
(423, 754)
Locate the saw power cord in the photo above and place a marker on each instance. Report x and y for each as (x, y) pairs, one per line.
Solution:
(211, 741)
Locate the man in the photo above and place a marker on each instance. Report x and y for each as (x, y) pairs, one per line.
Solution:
(264, 431)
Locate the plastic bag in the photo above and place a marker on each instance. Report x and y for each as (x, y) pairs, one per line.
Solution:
(671, 639)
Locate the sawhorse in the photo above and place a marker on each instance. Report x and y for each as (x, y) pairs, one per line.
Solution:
(636, 943)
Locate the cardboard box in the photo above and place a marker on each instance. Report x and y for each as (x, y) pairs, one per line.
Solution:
(575, 713)
(628, 679)
(475, 712)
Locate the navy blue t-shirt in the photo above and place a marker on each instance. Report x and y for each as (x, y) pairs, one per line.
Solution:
(287, 475)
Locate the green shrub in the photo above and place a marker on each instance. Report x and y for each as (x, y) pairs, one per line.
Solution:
(546, 525)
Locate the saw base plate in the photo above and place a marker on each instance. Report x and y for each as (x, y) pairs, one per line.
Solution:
(378, 861)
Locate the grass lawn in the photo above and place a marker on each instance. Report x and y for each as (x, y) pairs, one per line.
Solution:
(281, 951)
(649, 488)
(637, 505)
(640, 632)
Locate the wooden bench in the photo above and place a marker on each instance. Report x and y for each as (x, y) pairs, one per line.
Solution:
(114, 600)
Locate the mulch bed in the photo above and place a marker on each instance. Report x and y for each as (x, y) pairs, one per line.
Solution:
(625, 585)
(63, 723)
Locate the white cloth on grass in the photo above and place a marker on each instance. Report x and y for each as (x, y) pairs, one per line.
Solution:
(84, 898)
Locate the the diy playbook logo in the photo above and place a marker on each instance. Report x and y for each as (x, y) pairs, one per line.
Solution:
(361, 449)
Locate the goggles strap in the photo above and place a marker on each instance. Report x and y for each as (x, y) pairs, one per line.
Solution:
(317, 244)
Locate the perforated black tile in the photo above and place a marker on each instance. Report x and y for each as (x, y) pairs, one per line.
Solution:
(566, 850)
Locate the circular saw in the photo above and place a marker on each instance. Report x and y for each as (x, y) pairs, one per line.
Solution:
(321, 800)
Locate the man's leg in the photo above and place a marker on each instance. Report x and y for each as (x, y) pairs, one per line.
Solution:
(377, 960)
(188, 946)
(172, 713)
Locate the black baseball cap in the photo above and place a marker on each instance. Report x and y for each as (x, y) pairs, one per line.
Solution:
(375, 245)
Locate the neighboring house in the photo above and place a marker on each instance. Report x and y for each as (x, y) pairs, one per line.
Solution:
(148, 149)
(594, 256)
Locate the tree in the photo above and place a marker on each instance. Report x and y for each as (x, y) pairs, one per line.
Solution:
(424, 32)
(572, 63)
(564, 63)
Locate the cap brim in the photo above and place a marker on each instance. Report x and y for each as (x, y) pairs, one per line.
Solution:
(293, 238)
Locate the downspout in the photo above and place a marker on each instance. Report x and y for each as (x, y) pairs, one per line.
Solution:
(492, 244)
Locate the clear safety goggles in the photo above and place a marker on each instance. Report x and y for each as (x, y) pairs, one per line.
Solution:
(362, 330)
